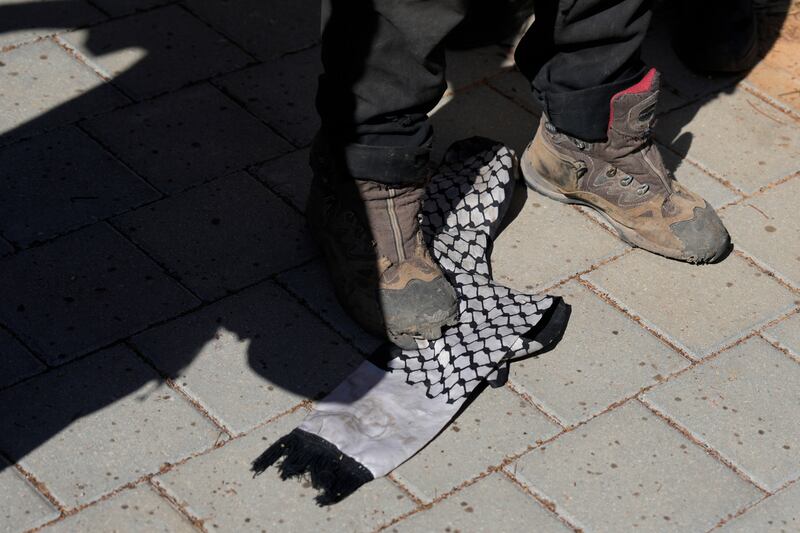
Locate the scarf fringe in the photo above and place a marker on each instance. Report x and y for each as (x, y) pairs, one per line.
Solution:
(330, 471)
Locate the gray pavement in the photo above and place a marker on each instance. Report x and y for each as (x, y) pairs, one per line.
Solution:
(165, 316)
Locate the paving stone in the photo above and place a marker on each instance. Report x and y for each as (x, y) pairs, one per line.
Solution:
(281, 92)
(16, 362)
(42, 86)
(25, 21)
(548, 242)
(603, 358)
(497, 424)
(767, 228)
(250, 357)
(157, 51)
(265, 29)
(139, 509)
(627, 470)
(699, 308)
(311, 283)
(465, 67)
(90, 427)
(481, 111)
(515, 86)
(777, 514)
(743, 404)
(84, 291)
(786, 334)
(689, 175)
(60, 181)
(23, 507)
(737, 135)
(484, 507)
(220, 236)
(187, 137)
(289, 176)
(778, 72)
(219, 488)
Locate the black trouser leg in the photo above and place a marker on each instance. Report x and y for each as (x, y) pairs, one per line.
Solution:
(578, 54)
(383, 72)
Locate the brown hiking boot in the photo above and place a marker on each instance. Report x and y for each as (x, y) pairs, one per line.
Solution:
(382, 271)
(624, 179)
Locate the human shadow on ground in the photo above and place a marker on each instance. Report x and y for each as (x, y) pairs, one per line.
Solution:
(271, 331)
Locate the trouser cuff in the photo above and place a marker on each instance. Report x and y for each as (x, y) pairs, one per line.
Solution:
(392, 165)
(584, 114)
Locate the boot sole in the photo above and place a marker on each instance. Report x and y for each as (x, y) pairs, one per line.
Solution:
(420, 337)
(538, 183)
(406, 338)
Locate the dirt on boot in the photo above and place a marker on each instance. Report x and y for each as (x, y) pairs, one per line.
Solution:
(382, 272)
(625, 180)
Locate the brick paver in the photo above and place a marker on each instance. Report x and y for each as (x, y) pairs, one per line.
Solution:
(247, 358)
(42, 87)
(628, 470)
(496, 425)
(219, 489)
(165, 316)
(60, 181)
(26, 21)
(536, 250)
(737, 404)
(779, 514)
(701, 309)
(23, 506)
(84, 291)
(187, 137)
(216, 238)
(604, 358)
(492, 504)
(281, 92)
(786, 334)
(153, 52)
(761, 225)
(139, 509)
(88, 428)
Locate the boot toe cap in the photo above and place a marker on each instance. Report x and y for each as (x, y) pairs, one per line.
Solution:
(704, 237)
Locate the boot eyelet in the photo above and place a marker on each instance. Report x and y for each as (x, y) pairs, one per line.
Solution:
(580, 144)
(643, 189)
(611, 172)
(627, 180)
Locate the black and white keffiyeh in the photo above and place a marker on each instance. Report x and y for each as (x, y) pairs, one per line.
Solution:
(391, 407)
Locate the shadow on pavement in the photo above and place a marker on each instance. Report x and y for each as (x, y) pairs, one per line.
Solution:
(188, 138)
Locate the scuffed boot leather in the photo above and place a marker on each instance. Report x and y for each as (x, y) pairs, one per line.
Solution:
(624, 179)
(383, 274)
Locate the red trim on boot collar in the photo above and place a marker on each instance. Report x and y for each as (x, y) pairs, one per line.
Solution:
(642, 86)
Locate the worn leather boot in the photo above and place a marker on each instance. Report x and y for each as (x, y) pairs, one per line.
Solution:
(624, 179)
(383, 274)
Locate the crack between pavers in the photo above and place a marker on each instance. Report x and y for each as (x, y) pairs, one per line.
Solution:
(643, 323)
(224, 431)
(768, 271)
(524, 395)
(707, 448)
(549, 505)
(180, 507)
(770, 100)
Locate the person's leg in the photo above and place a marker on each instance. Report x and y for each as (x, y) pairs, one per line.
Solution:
(578, 54)
(593, 146)
(383, 71)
